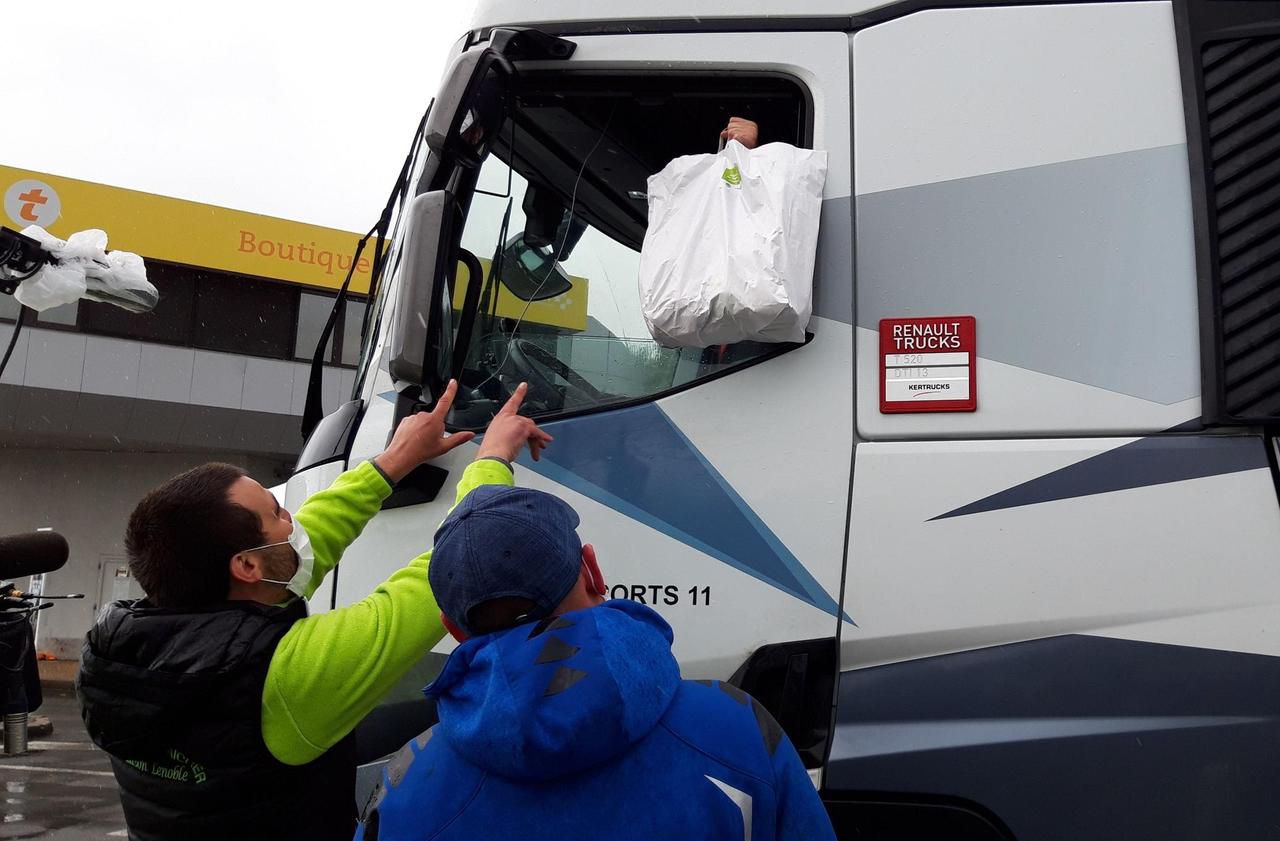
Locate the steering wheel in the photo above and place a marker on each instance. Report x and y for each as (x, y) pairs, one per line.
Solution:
(530, 360)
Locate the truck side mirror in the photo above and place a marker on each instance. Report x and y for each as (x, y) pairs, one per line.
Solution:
(421, 303)
(468, 117)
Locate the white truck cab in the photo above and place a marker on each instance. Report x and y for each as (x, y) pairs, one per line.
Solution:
(997, 544)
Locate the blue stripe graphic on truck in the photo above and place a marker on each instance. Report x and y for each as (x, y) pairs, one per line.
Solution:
(1148, 461)
(637, 462)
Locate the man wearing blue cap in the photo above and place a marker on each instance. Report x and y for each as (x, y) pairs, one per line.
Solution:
(563, 715)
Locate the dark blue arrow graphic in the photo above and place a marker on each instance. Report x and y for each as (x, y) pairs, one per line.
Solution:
(637, 462)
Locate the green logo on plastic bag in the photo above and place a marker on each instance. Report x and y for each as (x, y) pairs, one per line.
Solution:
(732, 177)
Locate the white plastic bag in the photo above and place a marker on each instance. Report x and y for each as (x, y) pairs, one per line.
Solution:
(730, 249)
(123, 282)
(84, 269)
(54, 284)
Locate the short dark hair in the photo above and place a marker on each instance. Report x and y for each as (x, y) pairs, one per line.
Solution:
(497, 614)
(182, 535)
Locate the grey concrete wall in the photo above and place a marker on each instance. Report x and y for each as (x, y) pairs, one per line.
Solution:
(87, 497)
(126, 394)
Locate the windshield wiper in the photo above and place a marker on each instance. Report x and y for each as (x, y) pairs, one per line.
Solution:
(313, 411)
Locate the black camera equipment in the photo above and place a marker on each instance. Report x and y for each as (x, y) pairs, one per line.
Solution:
(22, 555)
(20, 258)
(32, 553)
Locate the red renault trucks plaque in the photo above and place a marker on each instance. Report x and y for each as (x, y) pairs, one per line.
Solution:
(928, 364)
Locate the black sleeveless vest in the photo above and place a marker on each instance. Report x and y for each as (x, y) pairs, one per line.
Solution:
(175, 697)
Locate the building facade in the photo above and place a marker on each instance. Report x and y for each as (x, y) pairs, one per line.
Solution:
(98, 405)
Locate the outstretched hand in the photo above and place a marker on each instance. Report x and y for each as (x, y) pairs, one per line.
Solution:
(420, 438)
(742, 130)
(509, 431)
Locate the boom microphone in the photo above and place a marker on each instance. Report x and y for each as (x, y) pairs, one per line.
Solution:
(32, 554)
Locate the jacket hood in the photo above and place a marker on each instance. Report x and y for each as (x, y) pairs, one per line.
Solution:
(143, 667)
(556, 698)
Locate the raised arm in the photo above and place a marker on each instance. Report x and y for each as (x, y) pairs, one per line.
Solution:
(330, 670)
(334, 517)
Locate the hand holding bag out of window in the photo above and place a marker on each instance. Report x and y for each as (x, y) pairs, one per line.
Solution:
(729, 252)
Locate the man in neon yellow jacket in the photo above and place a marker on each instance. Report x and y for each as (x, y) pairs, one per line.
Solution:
(226, 709)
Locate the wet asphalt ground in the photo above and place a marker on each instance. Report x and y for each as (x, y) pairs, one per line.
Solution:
(62, 789)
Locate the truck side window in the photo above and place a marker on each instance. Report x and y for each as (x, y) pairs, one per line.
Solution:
(557, 219)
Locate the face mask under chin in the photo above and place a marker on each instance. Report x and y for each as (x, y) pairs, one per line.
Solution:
(300, 543)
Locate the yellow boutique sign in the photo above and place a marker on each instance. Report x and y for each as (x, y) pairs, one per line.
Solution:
(186, 232)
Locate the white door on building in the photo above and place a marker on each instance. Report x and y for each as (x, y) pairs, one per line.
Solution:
(114, 581)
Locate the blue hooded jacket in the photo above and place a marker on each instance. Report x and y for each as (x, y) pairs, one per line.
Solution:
(580, 727)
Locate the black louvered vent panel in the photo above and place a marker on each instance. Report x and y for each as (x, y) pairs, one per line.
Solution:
(1242, 110)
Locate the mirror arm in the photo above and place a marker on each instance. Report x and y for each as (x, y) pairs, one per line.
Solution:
(475, 279)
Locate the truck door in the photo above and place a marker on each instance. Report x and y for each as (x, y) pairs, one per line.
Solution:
(713, 482)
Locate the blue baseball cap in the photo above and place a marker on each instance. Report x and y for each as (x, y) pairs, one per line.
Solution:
(502, 541)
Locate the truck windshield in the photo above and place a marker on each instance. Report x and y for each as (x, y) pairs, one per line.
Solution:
(556, 223)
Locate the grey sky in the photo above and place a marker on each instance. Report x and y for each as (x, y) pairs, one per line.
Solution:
(297, 110)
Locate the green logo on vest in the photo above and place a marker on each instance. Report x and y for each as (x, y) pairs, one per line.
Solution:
(732, 176)
(182, 771)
